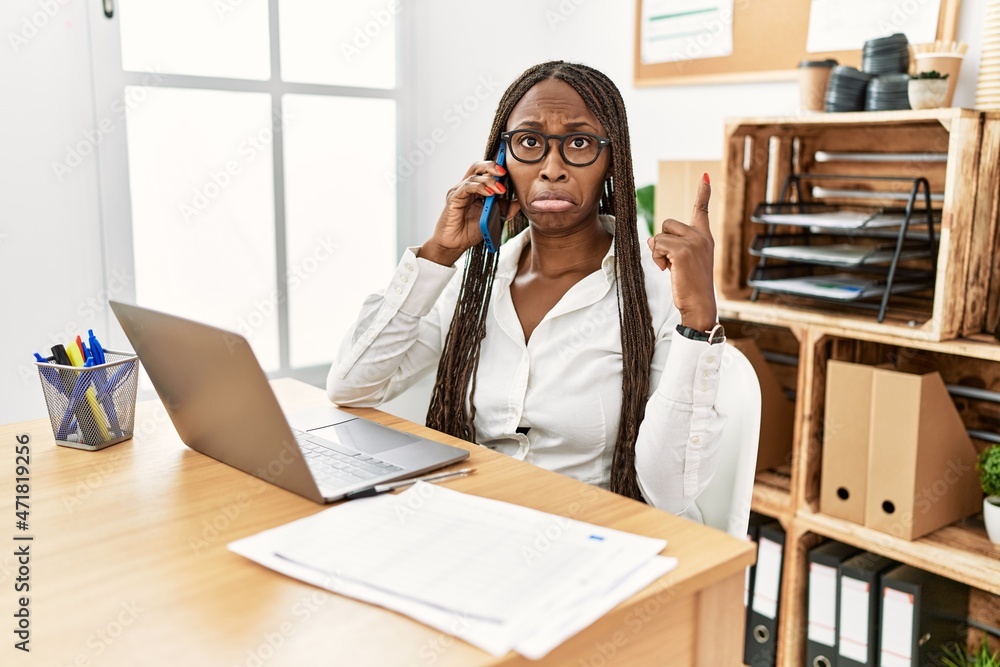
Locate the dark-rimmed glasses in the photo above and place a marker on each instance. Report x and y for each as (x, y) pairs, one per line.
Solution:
(578, 149)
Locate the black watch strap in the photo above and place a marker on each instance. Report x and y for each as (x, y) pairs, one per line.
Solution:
(716, 335)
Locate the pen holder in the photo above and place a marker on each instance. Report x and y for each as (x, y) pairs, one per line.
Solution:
(91, 407)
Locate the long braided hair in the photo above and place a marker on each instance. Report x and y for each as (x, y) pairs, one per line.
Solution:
(456, 377)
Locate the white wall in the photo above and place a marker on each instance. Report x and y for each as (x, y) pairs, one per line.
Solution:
(51, 268)
(51, 275)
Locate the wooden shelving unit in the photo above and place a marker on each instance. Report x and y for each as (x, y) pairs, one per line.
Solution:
(953, 331)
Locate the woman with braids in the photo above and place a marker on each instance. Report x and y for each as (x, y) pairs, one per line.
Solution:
(574, 347)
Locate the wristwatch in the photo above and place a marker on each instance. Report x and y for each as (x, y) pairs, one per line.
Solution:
(716, 335)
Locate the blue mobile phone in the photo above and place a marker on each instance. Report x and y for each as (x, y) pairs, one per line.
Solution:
(490, 221)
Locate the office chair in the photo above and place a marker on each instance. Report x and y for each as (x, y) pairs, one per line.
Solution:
(725, 502)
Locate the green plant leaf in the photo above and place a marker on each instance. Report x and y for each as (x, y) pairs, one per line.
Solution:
(644, 198)
(988, 466)
(933, 74)
(954, 655)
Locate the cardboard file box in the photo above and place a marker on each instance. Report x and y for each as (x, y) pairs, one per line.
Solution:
(846, 425)
(921, 462)
(777, 418)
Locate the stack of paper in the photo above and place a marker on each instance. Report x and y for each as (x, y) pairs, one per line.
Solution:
(836, 219)
(440, 556)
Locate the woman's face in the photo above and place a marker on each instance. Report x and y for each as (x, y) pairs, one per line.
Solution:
(556, 195)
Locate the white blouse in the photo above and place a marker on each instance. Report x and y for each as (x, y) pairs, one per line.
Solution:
(563, 386)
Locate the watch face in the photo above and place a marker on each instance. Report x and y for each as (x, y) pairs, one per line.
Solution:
(717, 334)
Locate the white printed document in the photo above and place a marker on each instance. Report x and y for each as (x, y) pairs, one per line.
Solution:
(840, 25)
(440, 556)
(678, 30)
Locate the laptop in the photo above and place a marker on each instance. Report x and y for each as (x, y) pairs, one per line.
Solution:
(222, 406)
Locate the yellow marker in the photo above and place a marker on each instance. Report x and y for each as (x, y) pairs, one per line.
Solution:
(76, 357)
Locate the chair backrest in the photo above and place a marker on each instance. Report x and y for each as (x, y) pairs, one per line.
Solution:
(725, 502)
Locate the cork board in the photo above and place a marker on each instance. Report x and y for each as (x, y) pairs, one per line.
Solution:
(769, 40)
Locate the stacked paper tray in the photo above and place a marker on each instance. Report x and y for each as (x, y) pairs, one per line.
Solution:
(831, 217)
(829, 249)
(837, 286)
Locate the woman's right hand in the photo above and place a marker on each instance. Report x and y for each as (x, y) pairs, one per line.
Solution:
(457, 229)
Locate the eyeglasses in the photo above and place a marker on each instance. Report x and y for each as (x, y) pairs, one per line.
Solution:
(578, 149)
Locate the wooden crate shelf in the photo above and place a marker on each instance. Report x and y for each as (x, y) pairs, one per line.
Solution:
(762, 152)
(771, 500)
(978, 346)
(960, 551)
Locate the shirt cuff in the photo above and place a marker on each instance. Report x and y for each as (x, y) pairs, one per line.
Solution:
(417, 284)
(691, 372)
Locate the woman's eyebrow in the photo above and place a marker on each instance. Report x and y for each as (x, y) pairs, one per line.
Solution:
(572, 125)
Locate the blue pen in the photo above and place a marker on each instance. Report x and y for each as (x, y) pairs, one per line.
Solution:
(118, 377)
(95, 348)
(96, 357)
(75, 400)
(51, 375)
(70, 380)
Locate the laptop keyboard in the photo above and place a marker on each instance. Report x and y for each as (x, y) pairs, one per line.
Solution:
(336, 468)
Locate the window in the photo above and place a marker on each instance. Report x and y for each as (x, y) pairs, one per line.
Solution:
(248, 188)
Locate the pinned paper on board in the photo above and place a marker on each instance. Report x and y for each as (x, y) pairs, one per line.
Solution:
(844, 25)
(675, 30)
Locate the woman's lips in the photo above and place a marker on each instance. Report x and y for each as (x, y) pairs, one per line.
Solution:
(552, 205)
(552, 201)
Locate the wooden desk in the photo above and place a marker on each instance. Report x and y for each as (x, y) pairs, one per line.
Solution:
(129, 565)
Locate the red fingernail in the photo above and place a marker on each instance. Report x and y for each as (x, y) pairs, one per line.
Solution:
(490, 190)
(500, 187)
(501, 170)
(705, 178)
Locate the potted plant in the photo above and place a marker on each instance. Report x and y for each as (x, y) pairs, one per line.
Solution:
(927, 90)
(989, 476)
(955, 655)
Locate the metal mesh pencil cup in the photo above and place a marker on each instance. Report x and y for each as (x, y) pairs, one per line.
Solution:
(91, 408)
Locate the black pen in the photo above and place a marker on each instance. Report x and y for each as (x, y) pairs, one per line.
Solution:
(391, 486)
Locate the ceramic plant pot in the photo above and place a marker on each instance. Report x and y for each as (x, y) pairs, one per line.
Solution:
(991, 515)
(927, 93)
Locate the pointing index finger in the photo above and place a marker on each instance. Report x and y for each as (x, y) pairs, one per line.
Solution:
(699, 216)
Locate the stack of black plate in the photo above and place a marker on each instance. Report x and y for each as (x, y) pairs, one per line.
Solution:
(886, 55)
(887, 92)
(846, 89)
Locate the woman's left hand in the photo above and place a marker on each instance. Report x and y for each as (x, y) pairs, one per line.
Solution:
(689, 252)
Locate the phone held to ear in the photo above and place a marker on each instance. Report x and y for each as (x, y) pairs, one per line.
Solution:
(491, 221)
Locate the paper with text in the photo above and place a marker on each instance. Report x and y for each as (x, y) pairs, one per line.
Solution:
(437, 555)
